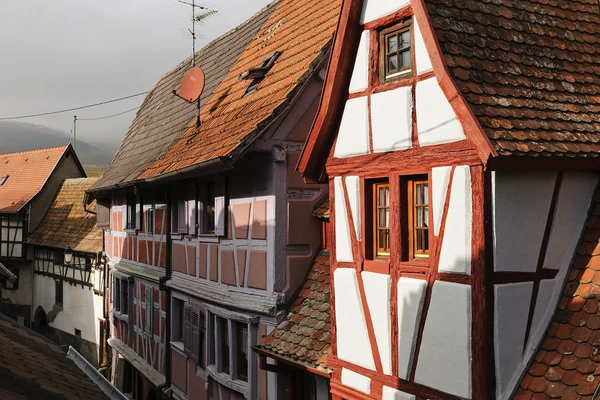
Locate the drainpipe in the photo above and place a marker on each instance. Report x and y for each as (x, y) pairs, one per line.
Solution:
(163, 286)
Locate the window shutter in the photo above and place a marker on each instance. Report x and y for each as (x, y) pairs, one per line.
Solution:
(191, 208)
(103, 214)
(149, 309)
(188, 335)
(220, 206)
(195, 334)
(182, 216)
(138, 213)
(220, 215)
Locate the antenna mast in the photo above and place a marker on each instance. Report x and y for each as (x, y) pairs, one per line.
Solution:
(75, 133)
(195, 19)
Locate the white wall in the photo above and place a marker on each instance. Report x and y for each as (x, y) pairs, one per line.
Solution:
(353, 136)
(445, 355)
(375, 9)
(392, 120)
(521, 202)
(81, 307)
(353, 343)
(526, 196)
(455, 256)
(343, 244)
(360, 74)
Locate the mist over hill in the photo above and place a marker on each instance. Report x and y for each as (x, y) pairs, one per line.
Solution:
(19, 136)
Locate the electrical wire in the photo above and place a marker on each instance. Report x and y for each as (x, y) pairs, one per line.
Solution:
(108, 116)
(73, 109)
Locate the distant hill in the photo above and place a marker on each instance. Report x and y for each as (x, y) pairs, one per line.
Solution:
(19, 136)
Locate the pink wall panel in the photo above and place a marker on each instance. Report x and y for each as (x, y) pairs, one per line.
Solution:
(259, 220)
(178, 258)
(203, 260)
(227, 268)
(214, 262)
(257, 274)
(179, 371)
(241, 219)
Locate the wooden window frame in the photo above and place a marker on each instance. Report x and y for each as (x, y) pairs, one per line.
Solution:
(149, 310)
(410, 221)
(380, 253)
(402, 73)
(59, 299)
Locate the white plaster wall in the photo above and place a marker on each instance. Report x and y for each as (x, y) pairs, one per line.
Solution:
(356, 381)
(351, 327)
(81, 307)
(391, 120)
(378, 290)
(353, 136)
(543, 311)
(375, 9)
(572, 208)
(343, 244)
(411, 296)
(520, 206)
(360, 74)
(421, 53)
(445, 355)
(455, 256)
(23, 293)
(440, 180)
(353, 189)
(393, 394)
(436, 121)
(511, 312)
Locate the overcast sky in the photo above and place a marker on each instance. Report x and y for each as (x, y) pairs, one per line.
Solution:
(66, 53)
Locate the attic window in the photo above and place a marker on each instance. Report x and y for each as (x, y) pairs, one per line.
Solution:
(257, 75)
(395, 58)
(3, 179)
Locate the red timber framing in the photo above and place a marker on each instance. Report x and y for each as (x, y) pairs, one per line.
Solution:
(481, 332)
(335, 93)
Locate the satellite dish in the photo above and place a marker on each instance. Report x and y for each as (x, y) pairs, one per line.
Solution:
(192, 84)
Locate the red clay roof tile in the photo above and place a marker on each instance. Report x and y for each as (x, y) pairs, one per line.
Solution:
(303, 336)
(66, 223)
(233, 118)
(577, 328)
(27, 173)
(529, 69)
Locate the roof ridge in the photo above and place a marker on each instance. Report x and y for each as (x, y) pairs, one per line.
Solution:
(35, 150)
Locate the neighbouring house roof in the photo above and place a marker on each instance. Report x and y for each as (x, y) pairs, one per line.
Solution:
(302, 31)
(304, 335)
(66, 222)
(27, 173)
(163, 117)
(566, 365)
(529, 69)
(321, 210)
(32, 367)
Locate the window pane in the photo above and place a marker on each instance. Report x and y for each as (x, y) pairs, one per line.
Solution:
(392, 43)
(426, 217)
(405, 39)
(419, 217)
(392, 63)
(405, 59)
(381, 235)
(387, 217)
(426, 193)
(387, 196)
(242, 356)
(382, 218)
(387, 240)
(426, 240)
(382, 196)
(419, 240)
(224, 344)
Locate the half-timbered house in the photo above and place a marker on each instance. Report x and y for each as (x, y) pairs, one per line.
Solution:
(211, 225)
(28, 182)
(68, 273)
(460, 142)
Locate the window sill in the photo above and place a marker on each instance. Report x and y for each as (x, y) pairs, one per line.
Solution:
(122, 317)
(381, 266)
(227, 381)
(131, 232)
(178, 347)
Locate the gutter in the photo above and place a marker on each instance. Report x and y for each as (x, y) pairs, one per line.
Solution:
(290, 364)
(109, 390)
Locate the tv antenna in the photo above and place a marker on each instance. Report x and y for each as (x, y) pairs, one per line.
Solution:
(205, 13)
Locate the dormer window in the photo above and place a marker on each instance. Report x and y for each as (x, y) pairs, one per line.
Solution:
(3, 179)
(258, 74)
(395, 59)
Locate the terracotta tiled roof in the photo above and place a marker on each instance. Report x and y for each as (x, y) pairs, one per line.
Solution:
(321, 210)
(302, 30)
(304, 336)
(163, 117)
(567, 365)
(66, 223)
(530, 69)
(32, 367)
(27, 173)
